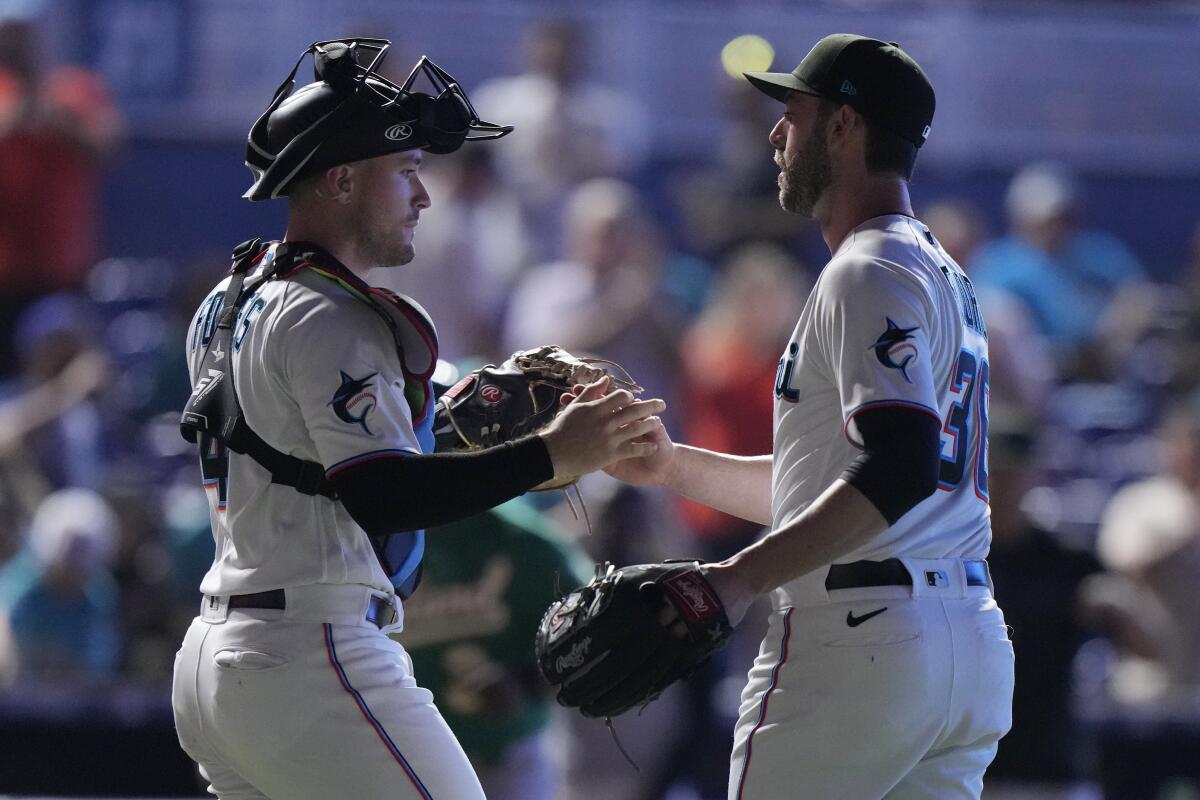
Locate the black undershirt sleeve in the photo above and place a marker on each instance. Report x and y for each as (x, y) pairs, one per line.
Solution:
(899, 464)
(410, 492)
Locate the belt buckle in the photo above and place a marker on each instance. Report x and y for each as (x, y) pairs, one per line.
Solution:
(214, 609)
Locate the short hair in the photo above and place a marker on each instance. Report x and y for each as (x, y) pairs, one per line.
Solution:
(888, 152)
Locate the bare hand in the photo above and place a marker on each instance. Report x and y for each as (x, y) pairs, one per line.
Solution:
(647, 470)
(597, 429)
(651, 469)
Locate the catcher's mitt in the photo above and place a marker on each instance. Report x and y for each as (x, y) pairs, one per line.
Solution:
(496, 404)
(603, 648)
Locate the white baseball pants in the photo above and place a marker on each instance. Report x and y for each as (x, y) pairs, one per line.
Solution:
(907, 704)
(272, 706)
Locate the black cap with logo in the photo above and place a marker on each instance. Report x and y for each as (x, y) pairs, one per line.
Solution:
(875, 78)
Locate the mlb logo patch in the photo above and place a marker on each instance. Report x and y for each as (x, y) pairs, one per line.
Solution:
(936, 578)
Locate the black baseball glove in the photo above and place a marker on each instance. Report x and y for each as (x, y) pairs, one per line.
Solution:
(604, 649)
(496, 404)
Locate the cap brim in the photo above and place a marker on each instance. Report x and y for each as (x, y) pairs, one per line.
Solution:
(779, 84)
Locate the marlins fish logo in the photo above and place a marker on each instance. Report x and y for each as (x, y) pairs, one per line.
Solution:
(352, 402)
(893, 349)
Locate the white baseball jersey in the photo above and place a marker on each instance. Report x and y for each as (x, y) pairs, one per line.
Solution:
(318, 377)
(891, 322)
(893, 690)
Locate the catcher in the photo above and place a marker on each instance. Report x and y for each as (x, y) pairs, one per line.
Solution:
(314, 410)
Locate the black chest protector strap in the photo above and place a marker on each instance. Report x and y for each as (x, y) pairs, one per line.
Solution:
(213, 409)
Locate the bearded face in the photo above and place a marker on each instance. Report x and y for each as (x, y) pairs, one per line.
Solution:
(806, 174)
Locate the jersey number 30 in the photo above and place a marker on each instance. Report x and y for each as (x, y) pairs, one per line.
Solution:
(970, 383)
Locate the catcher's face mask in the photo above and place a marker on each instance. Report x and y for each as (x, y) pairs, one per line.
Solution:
(351, 112)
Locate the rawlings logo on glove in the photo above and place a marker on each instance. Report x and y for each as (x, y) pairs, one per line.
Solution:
(496, 404)
(603, 648)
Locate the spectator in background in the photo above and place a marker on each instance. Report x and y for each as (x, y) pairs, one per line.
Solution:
(1024, 371)
(1141, 698)
(1070, 278)
(63, 614)
(51, 430)
(16, 561)
(142, 568)
(487, 582)
(58, 126)
(471, 252)
(618, 294)
(571, 128)
(1037, 579)
(733, 199)
(729, 359)
(958, 226)
(1183, 311)
(621, 295)
(1149, 542)
(10, 527)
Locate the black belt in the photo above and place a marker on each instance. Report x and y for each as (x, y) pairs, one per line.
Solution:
(380, 612)
(892, 572)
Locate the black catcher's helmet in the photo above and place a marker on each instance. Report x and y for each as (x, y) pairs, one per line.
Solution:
(351, 112)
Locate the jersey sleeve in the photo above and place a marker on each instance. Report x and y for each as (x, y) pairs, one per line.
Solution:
(341, 367)
(873, 329)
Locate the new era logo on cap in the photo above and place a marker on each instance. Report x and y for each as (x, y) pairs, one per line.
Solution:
(925, 133)
(848, 88)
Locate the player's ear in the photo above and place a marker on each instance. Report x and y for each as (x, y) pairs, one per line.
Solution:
(842, 122)
(845, 127)
(336, 183)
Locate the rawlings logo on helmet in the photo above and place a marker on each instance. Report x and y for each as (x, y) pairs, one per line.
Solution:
(339, 117)
(398, 132)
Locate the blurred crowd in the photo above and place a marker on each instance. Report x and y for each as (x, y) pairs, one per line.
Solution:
(691, 281)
